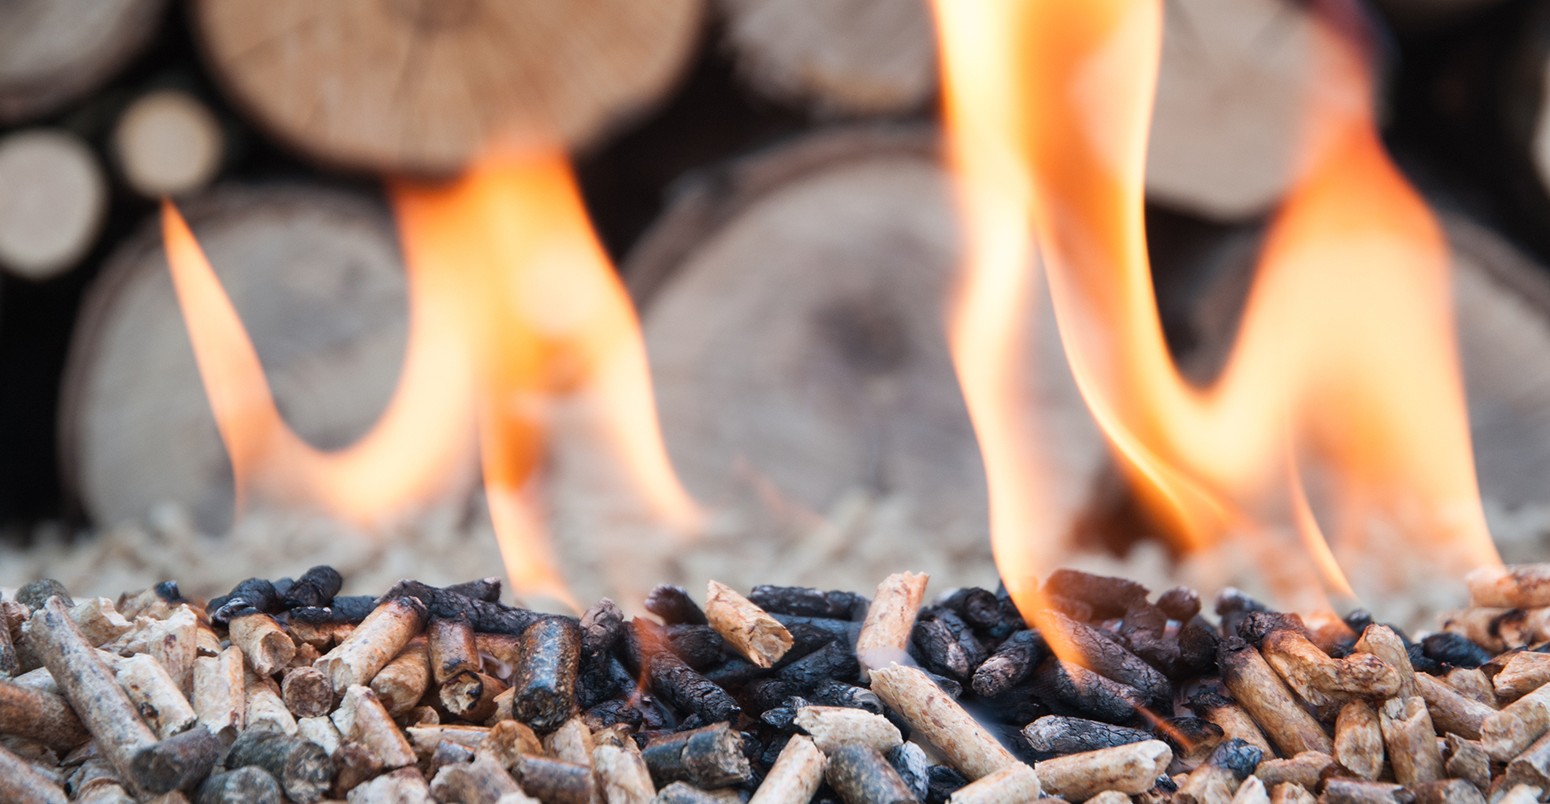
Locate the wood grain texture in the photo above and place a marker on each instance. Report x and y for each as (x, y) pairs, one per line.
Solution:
(423, 85)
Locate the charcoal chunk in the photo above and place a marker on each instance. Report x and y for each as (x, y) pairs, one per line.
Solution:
(808, 602)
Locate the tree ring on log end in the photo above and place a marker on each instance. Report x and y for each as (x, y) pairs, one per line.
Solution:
(421, 86)
(318, 281)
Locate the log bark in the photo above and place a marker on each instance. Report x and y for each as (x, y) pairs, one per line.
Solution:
(317, 279)
(55, 200)
(801, 295)
(423, 85)
(849, 57)
(53, 52)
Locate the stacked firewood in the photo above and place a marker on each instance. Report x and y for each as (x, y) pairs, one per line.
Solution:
(786, 695)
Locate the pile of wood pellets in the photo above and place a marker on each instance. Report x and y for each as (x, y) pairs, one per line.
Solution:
(289, 691)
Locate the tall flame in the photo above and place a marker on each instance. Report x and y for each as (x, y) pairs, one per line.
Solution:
(513, 303)
(1346, 361)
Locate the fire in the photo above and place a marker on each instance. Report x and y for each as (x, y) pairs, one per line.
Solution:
(513, 304)
(1345, 364)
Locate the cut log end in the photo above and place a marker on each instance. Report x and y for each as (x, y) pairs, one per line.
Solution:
(168, 143)
(54, 202)
(431, 83)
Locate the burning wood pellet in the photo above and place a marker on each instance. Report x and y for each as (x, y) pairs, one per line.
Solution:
(639, 711)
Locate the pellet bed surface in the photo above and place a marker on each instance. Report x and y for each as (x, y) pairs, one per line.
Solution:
(287, 690)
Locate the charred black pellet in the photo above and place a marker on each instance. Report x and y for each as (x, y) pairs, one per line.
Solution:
(1197, 645)
(36, 593)
(698, 645)
(985, 612)
(1018, 706)
(1070, 689)
(253, 593)
(1189, 735)
(1449, 648)
(545, 678)
(1012, 662)
(303, 769)
(485, 616)
(913, 767)
(1232, 605)
(1179, 603)
(832, 662)
(1069, 606)
(708, 757)
(180, 762)
(283, 585)
(837, 693)
(781, 717)
(1237, 756)
(612, 713)
(1100, 652)
(1058, 735)
(1358, 620)
(688, 691)
(315, 587)
(1419, 661)
(602, 626)
(485, 589)
(1254, 625)
(352, 608)
(674, 606)
(554, 780)
(945, 644)
(602, 678)
(168, 591)
(941, 782)
(1145, 629)
(247, 785)
(764, 693)
(1106, 596)
(808, 602)
(862, 776)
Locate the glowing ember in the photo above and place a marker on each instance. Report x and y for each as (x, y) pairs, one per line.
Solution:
(1345, 363)
(513, 303)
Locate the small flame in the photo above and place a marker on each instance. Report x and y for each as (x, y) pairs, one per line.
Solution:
(1346, 361)
(513, 303)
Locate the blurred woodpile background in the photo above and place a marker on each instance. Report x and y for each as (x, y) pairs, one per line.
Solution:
(764, 172)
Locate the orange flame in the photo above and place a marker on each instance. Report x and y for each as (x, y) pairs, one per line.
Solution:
(513, 302)
(1346, 360)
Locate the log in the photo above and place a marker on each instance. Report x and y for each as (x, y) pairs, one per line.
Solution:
(1225, 130)
(1501, 299)
(318, 282)
(801, 294)
(423, 85)
(839, 58)
(53, 52)
(54, 203)
(168, 143)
